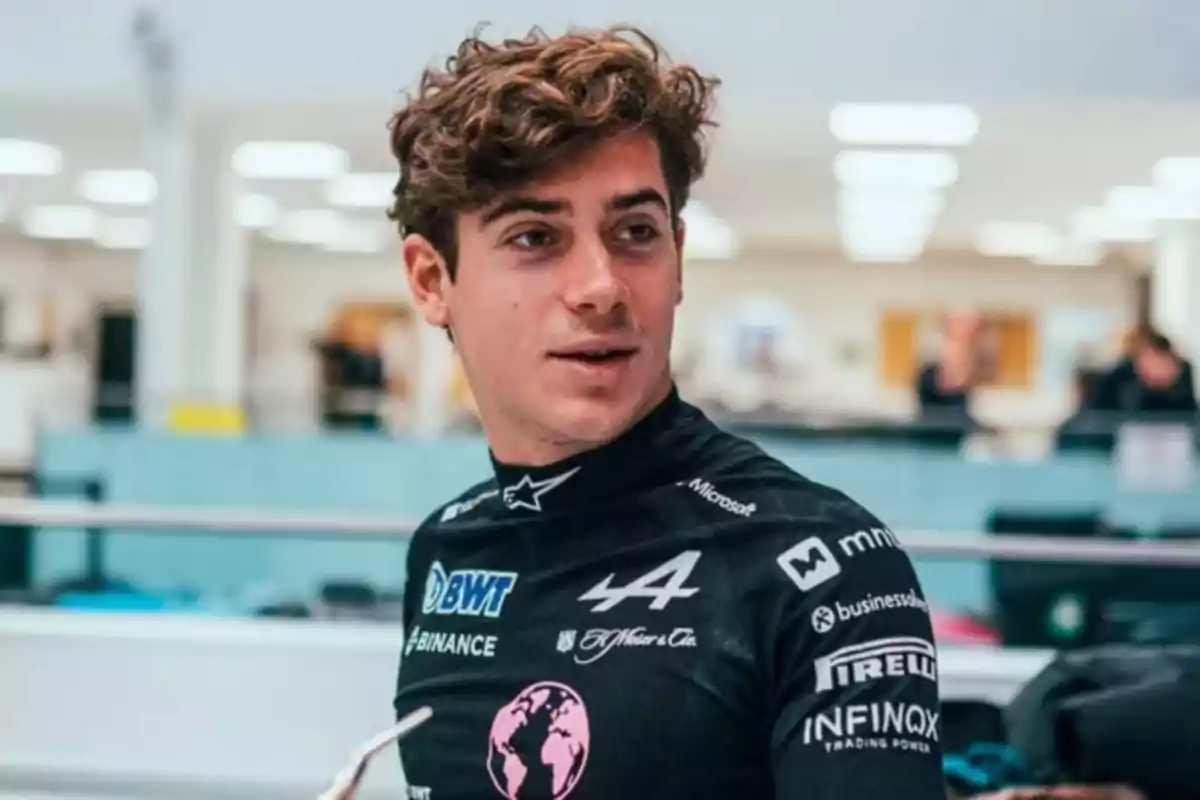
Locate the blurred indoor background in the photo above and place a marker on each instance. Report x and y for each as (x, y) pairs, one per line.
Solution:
(946, 258)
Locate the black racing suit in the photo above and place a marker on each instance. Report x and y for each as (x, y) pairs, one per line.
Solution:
(676, 615)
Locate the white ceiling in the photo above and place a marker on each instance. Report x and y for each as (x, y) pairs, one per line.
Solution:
(1031, 163)
(769, 51)
(1073, 97)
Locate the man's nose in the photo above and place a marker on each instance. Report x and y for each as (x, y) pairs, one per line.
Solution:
(591, 282)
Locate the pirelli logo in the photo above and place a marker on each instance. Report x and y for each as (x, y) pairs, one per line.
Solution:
(895, 657)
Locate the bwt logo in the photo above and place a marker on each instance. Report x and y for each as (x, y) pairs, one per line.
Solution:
(894, 657)
(468, 592)
(870, 539)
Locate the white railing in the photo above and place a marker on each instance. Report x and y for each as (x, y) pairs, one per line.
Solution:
(249, 708)
(43, 513)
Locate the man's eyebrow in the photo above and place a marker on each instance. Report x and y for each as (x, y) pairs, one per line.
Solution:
(540, 205)
(624, 202)
(517, 204)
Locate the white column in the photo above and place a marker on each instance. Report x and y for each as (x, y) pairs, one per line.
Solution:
(1175, 296)
(162, 271)
(216, 295)
(162, 274)
(192, 288)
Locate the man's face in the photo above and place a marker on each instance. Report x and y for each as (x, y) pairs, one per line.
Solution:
(964, 327)
(564, 299)
(1155, 368)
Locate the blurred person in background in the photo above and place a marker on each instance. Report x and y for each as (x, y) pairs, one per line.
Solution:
(946, 383)
(1153, 379)
(944, 387)
(354, 375)
(637, 604)
(1086, 428)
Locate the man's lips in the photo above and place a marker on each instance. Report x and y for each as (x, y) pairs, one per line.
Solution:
(595, 354)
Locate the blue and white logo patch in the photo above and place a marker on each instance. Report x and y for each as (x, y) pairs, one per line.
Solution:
(466, 592)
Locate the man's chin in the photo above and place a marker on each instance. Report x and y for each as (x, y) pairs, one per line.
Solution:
(594, 421)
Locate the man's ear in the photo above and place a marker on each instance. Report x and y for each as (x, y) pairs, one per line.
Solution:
(680, 238)
(428, 279)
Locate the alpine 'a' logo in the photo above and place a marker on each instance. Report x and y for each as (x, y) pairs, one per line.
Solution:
(673, 574)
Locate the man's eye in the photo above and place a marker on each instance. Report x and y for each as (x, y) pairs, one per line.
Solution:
(639, 233)
(533, 239)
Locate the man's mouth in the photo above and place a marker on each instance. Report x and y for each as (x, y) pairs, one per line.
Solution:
(605, 355)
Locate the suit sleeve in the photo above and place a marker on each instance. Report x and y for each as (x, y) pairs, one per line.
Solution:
(416, 568)
(408, 601)
(854, 697)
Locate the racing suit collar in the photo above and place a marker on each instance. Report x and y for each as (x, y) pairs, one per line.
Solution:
(637, 459)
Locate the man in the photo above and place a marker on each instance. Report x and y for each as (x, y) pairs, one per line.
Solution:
(944, 386)
(636, 604)
(1154, 380)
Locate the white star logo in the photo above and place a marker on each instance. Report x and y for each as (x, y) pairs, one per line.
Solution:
(527, 493)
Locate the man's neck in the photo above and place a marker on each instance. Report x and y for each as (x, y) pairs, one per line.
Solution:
(535, 446)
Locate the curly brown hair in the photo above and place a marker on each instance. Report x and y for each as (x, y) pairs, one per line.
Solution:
(498, 115)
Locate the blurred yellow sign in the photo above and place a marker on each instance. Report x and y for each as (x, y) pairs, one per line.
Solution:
(206, 418)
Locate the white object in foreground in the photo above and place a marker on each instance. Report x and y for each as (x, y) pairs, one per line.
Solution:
(346, 781)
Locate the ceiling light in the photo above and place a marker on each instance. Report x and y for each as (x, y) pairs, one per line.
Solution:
(1141, 203)
(857, 203)
(1071, 253)
(883, 251)
(887, 224)
(124, 187)
(256, 211)
(1098, 224)
(900, 245)
(59, 222)
(883, 256)
(895, 169)
(895, 228)
(906, 232)
(932, 125)
(290, 160)
(123, 233)
(359, 237)
(879, 241)
(1178, 172)
(316, 226)
(886, 230)
(884, 239)
(708, 236)
(1017, 239)
(362, 190)
(1133, 202)
(20, 157)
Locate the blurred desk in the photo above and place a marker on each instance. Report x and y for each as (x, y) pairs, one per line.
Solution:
(173, 706)
(910, 488)
(844, 428)
(185, 707)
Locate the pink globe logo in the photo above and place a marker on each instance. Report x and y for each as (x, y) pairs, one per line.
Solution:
(539, 743)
